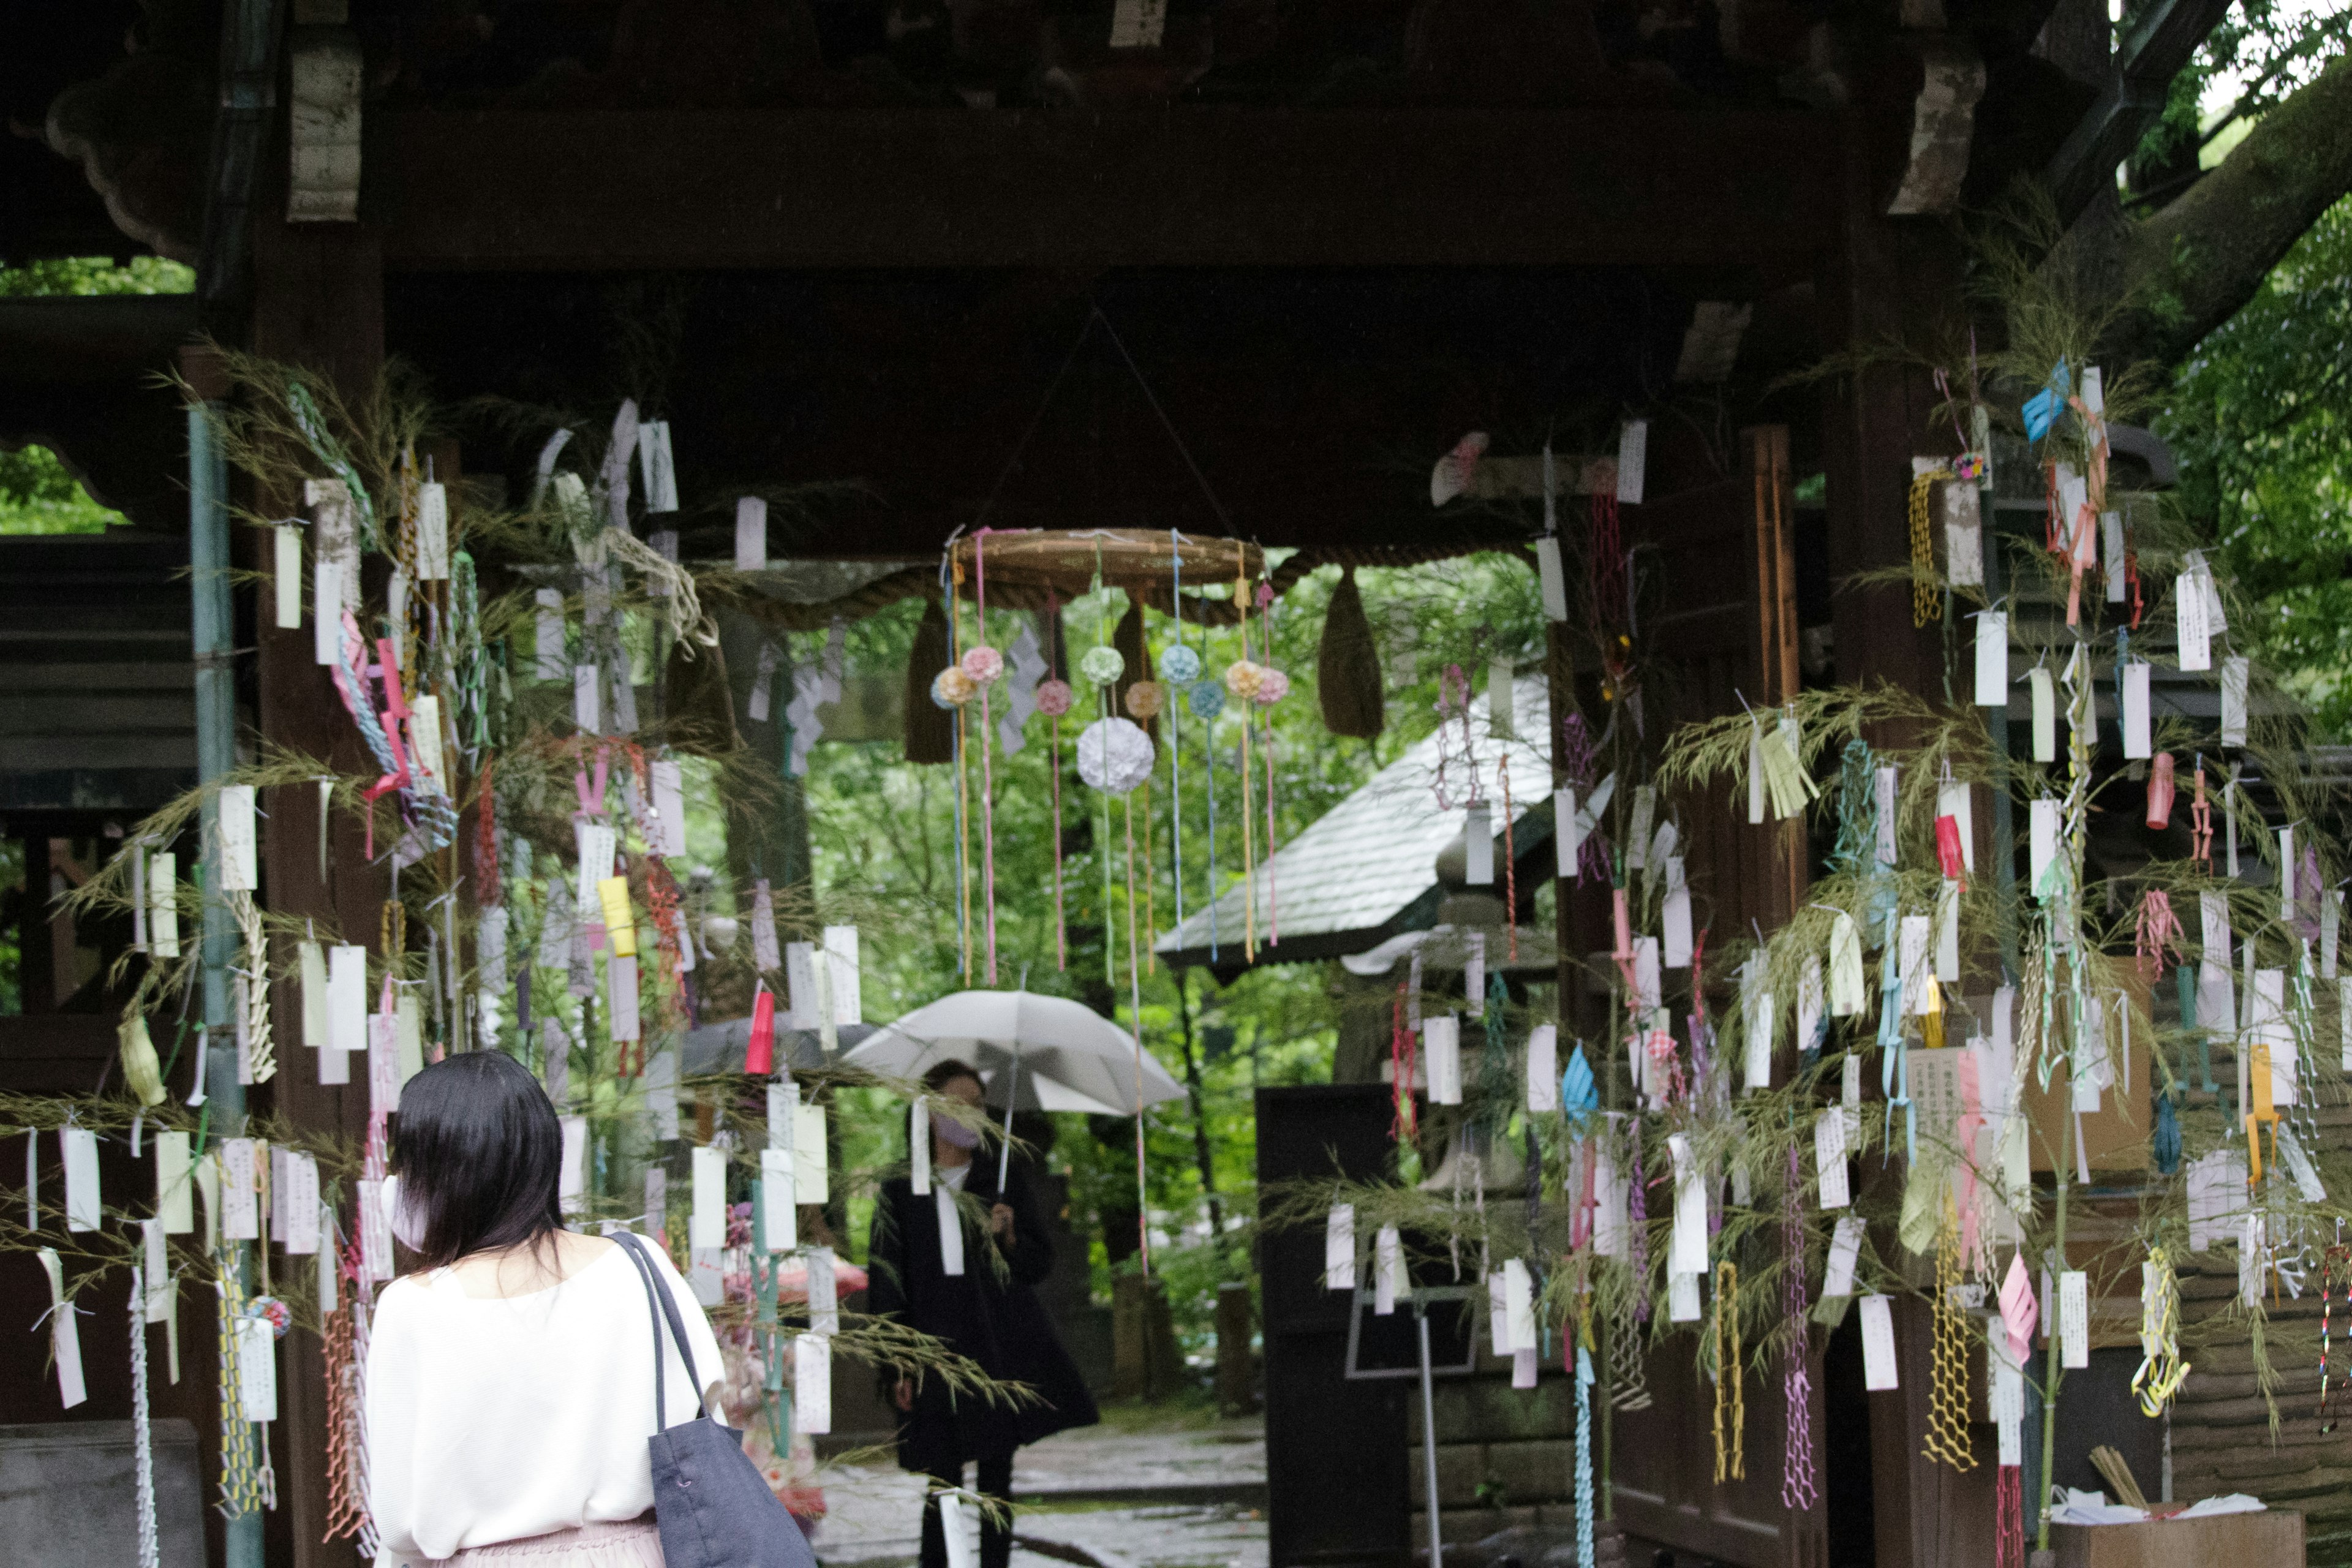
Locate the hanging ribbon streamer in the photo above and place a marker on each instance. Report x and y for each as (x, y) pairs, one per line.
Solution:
(242, 1481)
(984, 667)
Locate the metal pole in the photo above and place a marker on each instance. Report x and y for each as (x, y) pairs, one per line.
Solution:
(212, 621)
(1429, 1436)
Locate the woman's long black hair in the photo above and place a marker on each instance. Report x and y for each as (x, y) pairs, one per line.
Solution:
(479, 1154)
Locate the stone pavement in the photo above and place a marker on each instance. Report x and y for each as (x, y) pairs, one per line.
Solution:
(1132, 1493)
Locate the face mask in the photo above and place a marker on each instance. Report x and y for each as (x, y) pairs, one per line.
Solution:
(955, 1134)
(407, 1225)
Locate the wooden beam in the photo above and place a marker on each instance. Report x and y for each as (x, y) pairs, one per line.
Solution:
(1190, 187)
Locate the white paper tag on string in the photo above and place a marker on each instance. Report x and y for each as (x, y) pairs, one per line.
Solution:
(2045, 714)
(2331, 928)
(432, 533)
(1637, 831)
(1886, 816)
(240, 872)
(2042, 851)
(959, 1526)
(1498, 1315)
(2235, 671)
(327, 611)
(2073, 1318)
(78, 1149)
(809, 1156)
(2193, 623)
(1947, 931)
(1992, 658)
(1847, 989)
(707, 1224)
(1387, 1270)
(1683, 1301)
(2217, 995)
(2136, 724)
(1568, 835)
(547, 634)
(587, 704)
(1478, 846)
(1554, 581)
(657, 466)
(667, 838)
(286, 577)
(1676, 917)
(1519, 1297)
(375, 1231)
(256, 1369)
(1761, 1022)
(1340, 1248)
(919, 1147)
(1688, 1253)
(1632, 460)
(294, 1210)
(844, 976)
(1917, 932)
(751, 533)
(1611, 1194)
(1543, 1068)
(1646, 978)
(175, 1183)
(776, 1206)
(1877, 1344)
(65, 1333)
(241, 1195)
(1812, 1003)
(1441, 1042)
(155, 1271)
(1829, 1159)
(811, 1383)
(823, 1292)
(1846, 1256)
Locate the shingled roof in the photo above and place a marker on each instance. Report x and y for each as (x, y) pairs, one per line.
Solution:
(1366, 870)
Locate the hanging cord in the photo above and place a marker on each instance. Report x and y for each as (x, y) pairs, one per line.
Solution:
(1249, 867)
(987, 771)
(1152, 397)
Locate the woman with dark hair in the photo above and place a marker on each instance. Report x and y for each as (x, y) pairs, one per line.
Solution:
(510, 1391)
(934, 1265)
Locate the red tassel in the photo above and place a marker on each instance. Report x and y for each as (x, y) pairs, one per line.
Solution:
(760, 1055)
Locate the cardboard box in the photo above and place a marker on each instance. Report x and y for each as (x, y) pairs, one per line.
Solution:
(2272, 1539)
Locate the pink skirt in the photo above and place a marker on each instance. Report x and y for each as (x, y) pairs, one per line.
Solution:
(629, 1543)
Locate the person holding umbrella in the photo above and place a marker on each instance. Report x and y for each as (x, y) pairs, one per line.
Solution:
(937, 1267)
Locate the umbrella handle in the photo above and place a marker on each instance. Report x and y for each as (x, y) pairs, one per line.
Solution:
(1005, 1150)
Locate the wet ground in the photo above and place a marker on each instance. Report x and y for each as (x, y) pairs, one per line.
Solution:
(1146, 1489)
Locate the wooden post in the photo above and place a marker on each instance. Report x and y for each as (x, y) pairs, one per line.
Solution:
(317, 303)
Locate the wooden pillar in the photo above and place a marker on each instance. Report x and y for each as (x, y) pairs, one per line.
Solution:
(1890, 281)
(318, 304)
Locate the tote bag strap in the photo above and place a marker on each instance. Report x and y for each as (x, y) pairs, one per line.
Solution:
(660, 1306)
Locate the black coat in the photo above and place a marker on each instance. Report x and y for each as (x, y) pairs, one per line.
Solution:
(992, 1317)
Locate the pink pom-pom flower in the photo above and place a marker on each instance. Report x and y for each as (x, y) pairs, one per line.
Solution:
(1054, 698)
(983, 664)
(1273, 686)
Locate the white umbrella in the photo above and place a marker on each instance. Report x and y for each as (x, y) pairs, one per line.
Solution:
(1062, 1055)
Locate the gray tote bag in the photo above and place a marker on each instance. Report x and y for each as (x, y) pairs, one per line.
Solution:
(713, 1508)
